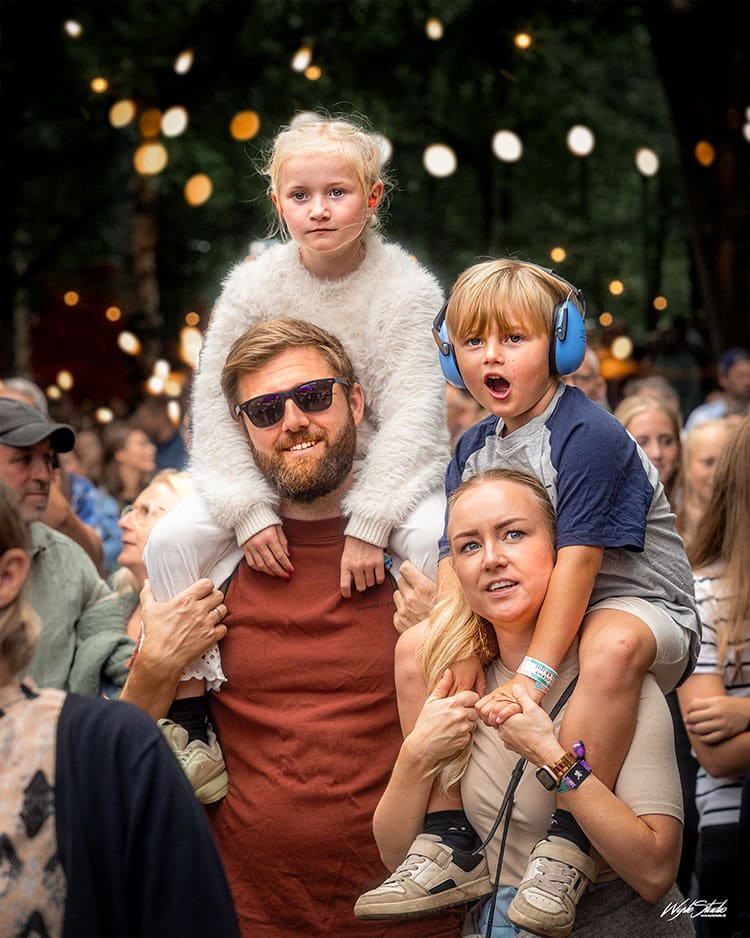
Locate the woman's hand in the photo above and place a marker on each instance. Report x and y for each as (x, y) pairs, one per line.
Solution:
(445, 724)
(361, 562)
(717, 718)
(530, 732)
(268, 552)
(501, 703)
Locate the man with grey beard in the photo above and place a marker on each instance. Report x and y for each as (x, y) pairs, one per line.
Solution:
(307, 718)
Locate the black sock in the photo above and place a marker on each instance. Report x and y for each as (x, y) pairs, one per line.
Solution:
(452, 827)
(192, 714)
(564, 825)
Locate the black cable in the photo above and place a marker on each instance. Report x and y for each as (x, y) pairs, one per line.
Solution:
(507, 804)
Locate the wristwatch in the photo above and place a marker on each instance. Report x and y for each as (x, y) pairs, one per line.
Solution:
(551, 776)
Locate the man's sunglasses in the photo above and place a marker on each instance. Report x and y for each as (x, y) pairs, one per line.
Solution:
(312, 397)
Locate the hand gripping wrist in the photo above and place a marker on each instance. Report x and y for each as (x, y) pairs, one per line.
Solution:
(541, 674)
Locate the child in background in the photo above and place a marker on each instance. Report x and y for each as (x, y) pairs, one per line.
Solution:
(621, 585)
(326, 183)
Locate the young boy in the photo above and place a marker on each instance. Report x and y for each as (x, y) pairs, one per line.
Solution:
(621, 583)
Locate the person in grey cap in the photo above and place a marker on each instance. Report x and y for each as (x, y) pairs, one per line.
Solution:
(83, 643)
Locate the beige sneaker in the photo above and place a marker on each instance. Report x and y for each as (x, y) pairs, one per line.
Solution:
(433, 876)
(555, 879)
(203, 764)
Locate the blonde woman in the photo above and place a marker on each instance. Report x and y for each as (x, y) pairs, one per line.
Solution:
(715, 699)
(656, 428)
(501, 535)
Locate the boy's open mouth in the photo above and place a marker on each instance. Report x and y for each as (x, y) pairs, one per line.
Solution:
(498, 387)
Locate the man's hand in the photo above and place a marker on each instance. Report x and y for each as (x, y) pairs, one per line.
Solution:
(414, 597)
(715, 719)
(361, 562)
(268, 552)
(501, 703)
(175, 633)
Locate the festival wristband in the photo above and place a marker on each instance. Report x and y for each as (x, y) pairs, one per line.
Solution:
(578, 773)
(541, 674)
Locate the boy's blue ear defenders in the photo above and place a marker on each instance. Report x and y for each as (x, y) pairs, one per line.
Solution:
(567, 346)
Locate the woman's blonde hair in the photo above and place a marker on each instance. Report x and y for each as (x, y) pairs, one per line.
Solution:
(637, 404)
(455, 631)
(506, 293)
(19, 624)
(724, 536)
(315, 132)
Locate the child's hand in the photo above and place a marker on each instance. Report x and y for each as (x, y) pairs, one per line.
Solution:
(501, 703)
(715, 719)
(530, 732)
(362, 562)
(267, 551)
(468, 674)
(414, 597)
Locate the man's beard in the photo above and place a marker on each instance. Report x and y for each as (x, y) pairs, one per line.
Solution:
(304, 480)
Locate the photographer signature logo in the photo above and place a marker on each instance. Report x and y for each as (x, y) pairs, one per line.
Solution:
(696, 908)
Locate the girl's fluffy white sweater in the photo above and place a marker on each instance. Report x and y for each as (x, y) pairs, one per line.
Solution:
(383, 314)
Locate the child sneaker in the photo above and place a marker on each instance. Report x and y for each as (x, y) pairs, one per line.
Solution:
(433, 876)
(202, 763)
(555, 879)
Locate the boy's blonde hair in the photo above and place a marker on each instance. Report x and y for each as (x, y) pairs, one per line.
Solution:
(506, 293)
(455, 631)
(317, 133)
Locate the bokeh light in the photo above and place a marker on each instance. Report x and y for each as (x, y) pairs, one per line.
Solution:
(580, 140)
(99, 85)
(558, 255)
(434, 29)
(113, 313)
(386, 148)
(174, 121)
(302, 58)
(192, 319)
(606, 319)
(660, 302)
(705, 153)
(150, 159)
(174, 412)
(439, 160)
(507, 146)
(64, 380)
(73, 28)
(191, 341)
(150, 122)
(245, 125)
(198, 189)
(647, 162)
(155, 384)
(522, 40)
(104, 415)
(184, 62)
(616, 288)
(71, 298)
(622, 347)
(53, 392)
(122, 113)
(313, 72)
(162, 368)
(129, 343)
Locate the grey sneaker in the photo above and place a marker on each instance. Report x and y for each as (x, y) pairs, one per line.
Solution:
(433, 876)
(203, 764)
(555, 879)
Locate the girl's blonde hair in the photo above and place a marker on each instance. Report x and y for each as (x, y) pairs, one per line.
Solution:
(724, 536)
(637, 404)
(455, 631)
(313, 132)
(506, 293)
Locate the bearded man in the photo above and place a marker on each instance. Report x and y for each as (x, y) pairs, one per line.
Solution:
(307, 718)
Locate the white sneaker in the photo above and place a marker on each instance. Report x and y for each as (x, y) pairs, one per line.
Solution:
(203, 764)
(433, 876)
(555, 879)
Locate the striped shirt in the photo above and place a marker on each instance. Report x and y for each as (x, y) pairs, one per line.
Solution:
(718, 799)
